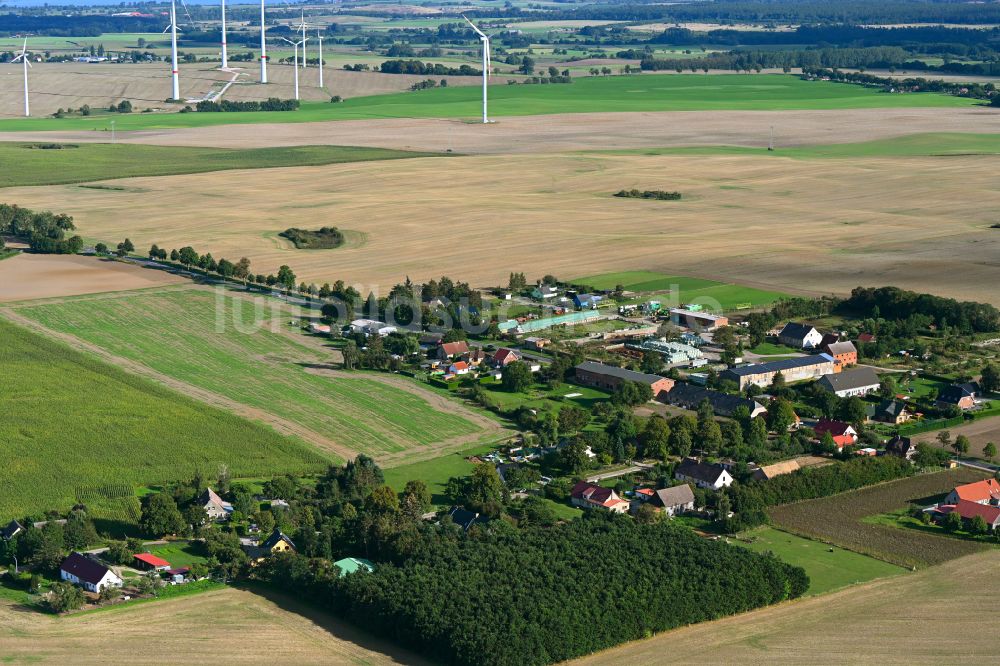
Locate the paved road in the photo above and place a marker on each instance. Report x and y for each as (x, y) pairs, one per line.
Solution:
(638, 467)
(978, 464)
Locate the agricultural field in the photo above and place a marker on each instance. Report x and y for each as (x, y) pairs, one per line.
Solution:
(210, 341)
(829, 568)
(887, 621)
(839, 520)
(881, 224)
(77, 429)
(187, 629)
(647, 92)
(29, 276)
(681, 290)
(79, 163)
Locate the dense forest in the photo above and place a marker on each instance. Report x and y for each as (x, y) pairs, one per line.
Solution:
(899, 304)
(542, 595)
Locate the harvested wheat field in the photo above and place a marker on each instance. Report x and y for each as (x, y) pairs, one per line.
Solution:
(31, 276)
(225, 626)
(923, 618)
(813, 226)
(71, 85)
(564, 132)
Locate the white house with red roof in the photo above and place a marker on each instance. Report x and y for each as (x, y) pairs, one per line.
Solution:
(592, 496)
(449, 350)
(843, 434)
(458, 368)
(986, 491)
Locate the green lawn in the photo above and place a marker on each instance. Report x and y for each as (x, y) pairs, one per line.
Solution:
(175, 333)
(912, 145)
(772, 349)
(683, 289)
(648, 92)
(435, 472)
(179, 553)
(78, 163)
(75, 426)
(827, 570)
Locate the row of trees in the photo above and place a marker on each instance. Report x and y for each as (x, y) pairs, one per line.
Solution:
(747, 60)
(237, 106)
(44, 230)
(426, 68)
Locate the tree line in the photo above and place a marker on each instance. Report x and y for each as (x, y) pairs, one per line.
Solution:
(747, 60)
(895, 303)
(237, 106)
(426, 68)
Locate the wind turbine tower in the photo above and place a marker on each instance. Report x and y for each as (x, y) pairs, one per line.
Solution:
(23, 57)
(319, 37)
(225, 56)
(176, 93)
(296, 62)
(263, 46)
(486, 65)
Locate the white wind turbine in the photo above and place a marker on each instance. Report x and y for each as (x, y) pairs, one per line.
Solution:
(176, 92)
(319, 37)
(225, 55)
(23, 57)
(302, 28)
(486, 64)
(296, 48)
(263, 46)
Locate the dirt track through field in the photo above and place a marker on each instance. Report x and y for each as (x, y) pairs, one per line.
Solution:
(937, 616)
(227, 626)
(567, 132)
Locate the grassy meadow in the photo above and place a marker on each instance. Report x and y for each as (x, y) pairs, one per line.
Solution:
(646, 92)
(74, 427)
(683, 289)
(79, 163)
(829, 568)
(264, 367)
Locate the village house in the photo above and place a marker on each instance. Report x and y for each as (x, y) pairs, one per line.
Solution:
(88, 573)
(768, 472)
(149, 562)
(674, 501)
(889, 411)
(962, 396)
(986, 491)
(11, 530)
(586, 301)
(609, 377)
(504, 357)
(800, 336)
(449, 350)
(969, 510)
(689, 396)
(697, 320)
(843, 434)
(465, 518)
(843, 353)
(537, 344)
(592, 496)
(703, 475)
(277, 543)
(350, 565)
(901, 447)
(371, 327)
(849, 383)
(792, 369)
(216, 507)
(458, 368)
(544, 292)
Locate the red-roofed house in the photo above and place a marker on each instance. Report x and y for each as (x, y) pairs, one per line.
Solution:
(969, 510)
(843, 433)
(986, 491)
(448, 350)
(591, 496)
(505, 357)
(458, 368)
(149, 562)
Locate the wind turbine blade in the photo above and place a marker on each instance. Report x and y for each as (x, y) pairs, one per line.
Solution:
(478, 31)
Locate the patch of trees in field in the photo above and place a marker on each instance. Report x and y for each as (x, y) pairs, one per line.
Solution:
(44, 231)
(234, 106)
(323, 239)
(426, 68)
(749, 60)
(899, 304)
(661, 195)
(542, 595)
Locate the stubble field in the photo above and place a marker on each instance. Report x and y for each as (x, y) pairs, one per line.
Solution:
(813, 226)
(267, 368)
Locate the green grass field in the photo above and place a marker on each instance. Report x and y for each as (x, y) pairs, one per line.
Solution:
(648, 92)
(772, 349)
(179, 553)
(686, 289)
(71, 422)
(827, 570)
(79, 163)
(913, 145)
(175, 333)
(435, 472)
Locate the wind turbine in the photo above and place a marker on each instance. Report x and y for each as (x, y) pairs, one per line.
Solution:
(176, 95)
(225, 56)
(319, 36)
(263, 46)
(23, 57)
(486, 64)
(303, 26)
(296, 45)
